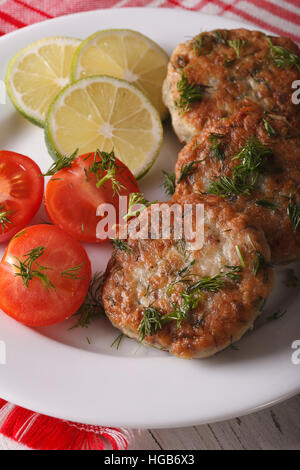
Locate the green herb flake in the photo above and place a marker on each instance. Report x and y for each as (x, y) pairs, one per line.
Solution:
(241, 258)
(283, 58)
(136, 199)
(73, 272)
(266, 203)
(269, 129)
(60, 163)
(186, 170)
(277, 315)
(197, 44)
(92, 306)
(215, 145)
(121, 245)
(237, 45)
(189, 93)
(27, 271)
(293, 212)
(169, 183)
(116, 343)
(4, 219)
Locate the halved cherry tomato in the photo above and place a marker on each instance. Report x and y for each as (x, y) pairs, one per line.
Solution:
(44, 276)
(72, 196)
(21, 192)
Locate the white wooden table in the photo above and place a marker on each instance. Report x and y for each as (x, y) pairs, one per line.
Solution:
(275, 428)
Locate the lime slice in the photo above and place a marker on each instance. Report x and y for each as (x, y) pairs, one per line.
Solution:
(36, 74)
(124, 54)
(105, 113)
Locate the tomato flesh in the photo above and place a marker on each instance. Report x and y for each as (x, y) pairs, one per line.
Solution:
(35, 305)
(72, 197)
(21, 192)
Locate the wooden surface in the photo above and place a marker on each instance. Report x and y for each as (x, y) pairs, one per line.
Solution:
(274, 428)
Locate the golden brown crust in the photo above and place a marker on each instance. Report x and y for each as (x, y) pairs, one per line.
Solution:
(274, 186)
(233, 82)
(148, 275)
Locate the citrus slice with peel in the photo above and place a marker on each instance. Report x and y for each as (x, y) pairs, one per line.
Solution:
(105, 113)
(124, 54)
(37, 73)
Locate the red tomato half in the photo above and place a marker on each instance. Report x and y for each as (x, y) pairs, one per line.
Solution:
(58, 290)
(72, 197)
(21, 192)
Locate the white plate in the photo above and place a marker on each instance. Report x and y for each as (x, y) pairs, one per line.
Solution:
(55, 371)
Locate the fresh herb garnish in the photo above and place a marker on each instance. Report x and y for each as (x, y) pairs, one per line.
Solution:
(218, 281)
(241, 258)
(215, 145)
(237, 45)
(221, 37)
(121, 245)
(63, 162)
(266, 203)
(92, 306)
(150, 323)
(260, 262)
(186, 170)
(72, 273)
(293, 212)
(104, 166)
(117, 341)
(169, 183)
(180, 312)
(291, 280)
(277, 315)
(27, 273)
(189, 93)
(4, 220)
(136, 199)
(197, 44)
(269, 129)
(253, 161)
(283, 58)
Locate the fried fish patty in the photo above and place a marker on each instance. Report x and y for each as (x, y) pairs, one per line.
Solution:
(190, 302)
(217, 72)
(253, 160)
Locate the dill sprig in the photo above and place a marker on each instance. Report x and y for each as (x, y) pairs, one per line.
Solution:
(186, 170)
(63, 162)
(283, 58)
(197, 44)
(260, 262)
(253, 162)
(269, 129)
(116, 343)
(266, 203)
(72, 273)
(221, 37)
(293, 212)
(180, 312)
(240, 255)
(4, 220)
(27, 272)
(151, 322)
(218, 281)
(136, 199)
(121, 245)
(92, 306)
(215, 146)
(237, 45)
(169, 183)
(189, 93)
(104, 166)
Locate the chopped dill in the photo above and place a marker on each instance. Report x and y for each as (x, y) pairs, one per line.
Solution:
(60, 163)
(136, 199)
(293, 212)
(150, 323)
(189, 93)
(121, 245)
(269, 129)
(237, 45)
(92, 306)
(186, 170)
(277, 315)
(221, 37)
(4, 220)
(104, 166)
(260, 262)
(72, 273)
(116, 343)
(169, 183)
(197, 44)
(266, 203)
(27, 272)
(215, 145)
(241, 258)
(283, 58)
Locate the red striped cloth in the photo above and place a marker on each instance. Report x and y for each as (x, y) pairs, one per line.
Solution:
(282, 17)
(279, 16)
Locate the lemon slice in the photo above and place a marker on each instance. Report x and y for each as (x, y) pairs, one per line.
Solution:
(124, 54)
(36, 74)
(105, 113)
